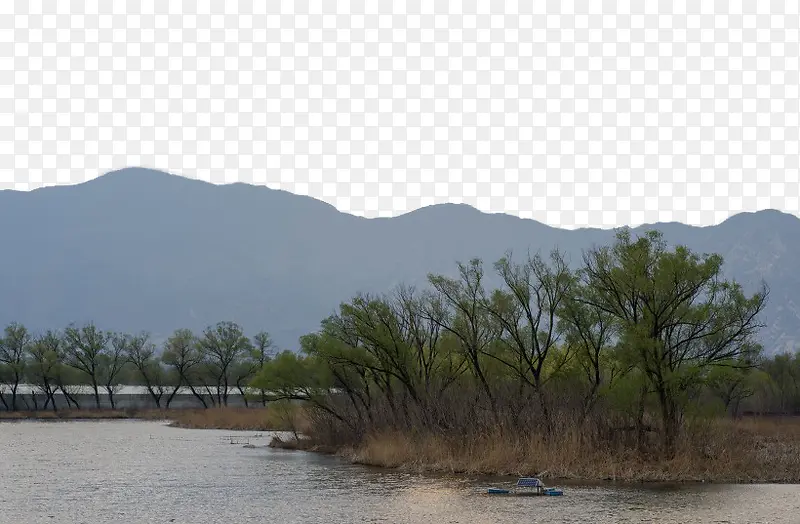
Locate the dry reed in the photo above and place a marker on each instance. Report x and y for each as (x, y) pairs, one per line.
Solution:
(750, 450)
(86, 414)
(280, 418)
(272, 418)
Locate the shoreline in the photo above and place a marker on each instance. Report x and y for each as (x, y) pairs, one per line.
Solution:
(723, 451)
(227, 418)
(490, 459)
(655, 477)
(83, 414)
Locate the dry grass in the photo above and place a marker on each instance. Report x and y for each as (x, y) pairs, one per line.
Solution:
(277, 418)
(757, 450)
(86, 414)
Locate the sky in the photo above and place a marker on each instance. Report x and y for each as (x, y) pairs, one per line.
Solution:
(572, 113)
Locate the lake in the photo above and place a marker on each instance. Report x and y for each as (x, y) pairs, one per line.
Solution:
(97, 472)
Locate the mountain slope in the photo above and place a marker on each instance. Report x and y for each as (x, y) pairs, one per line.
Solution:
(141, 249)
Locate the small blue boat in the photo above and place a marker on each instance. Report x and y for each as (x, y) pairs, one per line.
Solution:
(527, 486)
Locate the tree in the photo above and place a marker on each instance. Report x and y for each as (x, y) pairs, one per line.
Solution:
(182, 354)
(590, 333)
(262, 349)
(676, 315)
(434, 368)
(340, 364)
(112, 362)
(85, 348)
(222, 346)
(783, 371)
(526, 313)
(307, 378)
(460, 311)
(45, 365)
(140, 352)
(732, 384)
(13, 350)
(290, 376)
(387, 352)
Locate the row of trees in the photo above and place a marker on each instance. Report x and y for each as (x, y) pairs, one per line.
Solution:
(210, 365)
(623, 348)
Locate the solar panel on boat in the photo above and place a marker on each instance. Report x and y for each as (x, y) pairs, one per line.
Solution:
(529, 483)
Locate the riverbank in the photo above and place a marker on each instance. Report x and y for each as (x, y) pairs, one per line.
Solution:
(84, 414)
(234, 419)
(723, 451)
(752, 450)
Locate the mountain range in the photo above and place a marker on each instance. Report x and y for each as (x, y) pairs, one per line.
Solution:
(140, 249)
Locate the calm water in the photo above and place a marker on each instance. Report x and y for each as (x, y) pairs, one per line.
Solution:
(146, 472)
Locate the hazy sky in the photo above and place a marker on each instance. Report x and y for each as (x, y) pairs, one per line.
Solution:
(560, 111)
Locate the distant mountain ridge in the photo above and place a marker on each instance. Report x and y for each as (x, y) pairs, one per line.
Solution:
(142, 249)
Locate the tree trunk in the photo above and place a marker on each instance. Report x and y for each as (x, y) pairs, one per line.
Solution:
(156, 397)
(14, 396)
(96, 394)
(172, 395)
(640, 419)
(51, 396)
(548, 423)
(199, 397)
(669, 421)
(110, 394)
(69, 398)
(244, 397)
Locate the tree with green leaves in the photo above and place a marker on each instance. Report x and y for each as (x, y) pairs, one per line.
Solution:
(222, 346)
(181, 352)
(307, 378)
(14, 347)
(85, 349)
(590, 334)
(45, 366)
(675, 313)
(526, 314)
(733, 384)
(459, 310)
(262, 353)
(140, 353)
(112, 363)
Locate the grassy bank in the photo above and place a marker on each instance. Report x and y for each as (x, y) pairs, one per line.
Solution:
(718, 450)
(86, 414)
(278, 418)
(750, 450)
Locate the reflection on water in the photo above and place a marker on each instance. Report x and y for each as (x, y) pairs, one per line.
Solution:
(146, 472)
